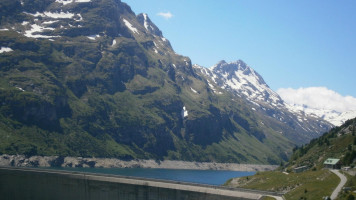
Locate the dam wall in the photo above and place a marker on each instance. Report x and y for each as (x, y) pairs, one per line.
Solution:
(27, 184)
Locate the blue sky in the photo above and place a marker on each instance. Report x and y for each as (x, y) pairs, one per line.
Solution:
(292, 44)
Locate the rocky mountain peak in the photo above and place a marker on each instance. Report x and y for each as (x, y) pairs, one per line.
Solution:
(219, 64)
(245, 83)
(150, 27)
(241, 79)
(233, 67)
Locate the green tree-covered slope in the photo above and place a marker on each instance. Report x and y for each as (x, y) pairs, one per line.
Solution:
(339, 142)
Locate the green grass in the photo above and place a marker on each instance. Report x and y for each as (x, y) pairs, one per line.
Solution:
(268, 198)
(309, 184)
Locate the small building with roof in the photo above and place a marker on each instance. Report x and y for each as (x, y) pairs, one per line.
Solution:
(332, 163)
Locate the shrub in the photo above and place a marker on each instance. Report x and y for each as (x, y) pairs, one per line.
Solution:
(350, 197)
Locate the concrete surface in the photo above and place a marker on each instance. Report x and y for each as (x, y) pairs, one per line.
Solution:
(24, 183)
(341, 184)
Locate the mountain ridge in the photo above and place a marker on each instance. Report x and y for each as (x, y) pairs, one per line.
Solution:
(243, 81)
(91, 78)
(334, 117)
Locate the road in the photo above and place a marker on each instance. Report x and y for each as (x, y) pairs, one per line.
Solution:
(340, 186)
(277, 197)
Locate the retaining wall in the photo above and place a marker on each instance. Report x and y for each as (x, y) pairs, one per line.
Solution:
(28, 184)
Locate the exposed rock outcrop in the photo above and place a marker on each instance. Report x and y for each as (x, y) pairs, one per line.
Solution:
(79, 162)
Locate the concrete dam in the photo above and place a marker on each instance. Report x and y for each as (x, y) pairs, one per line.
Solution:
(32, 183)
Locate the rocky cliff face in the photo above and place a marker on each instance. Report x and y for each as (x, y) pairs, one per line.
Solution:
(92, 78)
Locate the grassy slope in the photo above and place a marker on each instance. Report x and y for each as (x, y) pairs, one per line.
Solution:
(101, 120)
(338, 143)
(311, 184)
(316, 182)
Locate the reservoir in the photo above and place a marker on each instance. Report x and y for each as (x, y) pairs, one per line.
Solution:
(209, 177)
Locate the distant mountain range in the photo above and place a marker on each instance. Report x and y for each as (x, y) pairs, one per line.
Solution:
(91, 78)
(243, 81)
(334, 117)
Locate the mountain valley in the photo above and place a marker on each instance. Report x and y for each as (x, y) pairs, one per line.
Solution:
(90, 78)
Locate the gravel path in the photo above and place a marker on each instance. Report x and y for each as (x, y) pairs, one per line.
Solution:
(341, 184)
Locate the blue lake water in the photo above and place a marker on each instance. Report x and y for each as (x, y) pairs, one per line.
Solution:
(210, 177)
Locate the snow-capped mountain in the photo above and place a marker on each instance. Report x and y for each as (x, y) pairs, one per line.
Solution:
(237, 77)
(334, 117)
(243, 81)
(320, 101)
(340, 119)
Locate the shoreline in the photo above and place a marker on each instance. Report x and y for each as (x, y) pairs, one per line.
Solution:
(79, 162)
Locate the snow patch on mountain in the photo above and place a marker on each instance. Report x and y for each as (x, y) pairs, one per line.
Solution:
(147, 23)
(193, 90)
(184, 112)
(130, 26)
(149, 26)
(55, 15)
(80, 18)
(22, 90)
(93, 37)
(35, 28)
(82, 1)
(45, 22)
(65, 2)
(5, 49)
(113, 43)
